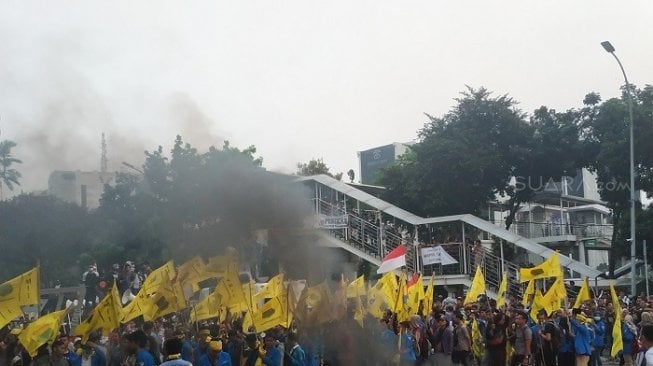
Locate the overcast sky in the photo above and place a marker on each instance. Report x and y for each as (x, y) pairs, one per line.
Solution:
(298, 79)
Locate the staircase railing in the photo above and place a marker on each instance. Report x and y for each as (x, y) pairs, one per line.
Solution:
(365, 233)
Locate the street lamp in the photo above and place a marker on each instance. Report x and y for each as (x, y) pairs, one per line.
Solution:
(633, 242)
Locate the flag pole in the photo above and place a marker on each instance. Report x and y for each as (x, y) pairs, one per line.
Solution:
(38, 288)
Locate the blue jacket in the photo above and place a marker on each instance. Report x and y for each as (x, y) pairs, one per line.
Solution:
(627, 337)
(408, 347)
(97, 358)
(297, 356)
(583, 338)
(273, 357)
(599, 334)
(186, 351)
(223, 360)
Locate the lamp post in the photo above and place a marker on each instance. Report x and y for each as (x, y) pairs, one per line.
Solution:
(633, 242)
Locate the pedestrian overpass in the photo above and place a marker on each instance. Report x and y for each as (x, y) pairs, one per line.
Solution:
(368, 227)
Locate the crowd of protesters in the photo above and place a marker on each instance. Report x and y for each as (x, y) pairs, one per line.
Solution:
(444, 336)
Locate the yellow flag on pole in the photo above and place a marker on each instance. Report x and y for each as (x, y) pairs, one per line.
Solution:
(273, 288)
(477, 341)
(19, 291)
(617, 340)
(428, 295)
(503, 288)
(146, 303)
(207, 308)
(583, 294)
(42, 331)
(477, 288)
(530, 290)
(192, 272)
(106, 316)
(549, 268)
(356, 288)
(556, 294)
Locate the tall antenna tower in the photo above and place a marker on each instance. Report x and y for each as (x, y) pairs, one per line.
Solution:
(103, 159)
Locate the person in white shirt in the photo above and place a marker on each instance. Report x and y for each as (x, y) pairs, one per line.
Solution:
(645, 357)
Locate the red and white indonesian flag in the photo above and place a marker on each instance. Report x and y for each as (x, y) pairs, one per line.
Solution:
(395, 259)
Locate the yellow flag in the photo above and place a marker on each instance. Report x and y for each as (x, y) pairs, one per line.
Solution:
(537, 305)
(168, 299)
(359, 313)
(231, 290)
(549, 268)
(477, 340)
(146, 303)
(428, 295)
(272, 313)
(583, 294)
(556, 294)
(273, 288)
(415, 295)
(207, 308)
(356, 288)
(530, 290)
(478, 287)
(42, 331)
(377, 302)
(192, 272)
(389, 286)
(503, 288)
(21, 290)
(617, 340)
(106, 316)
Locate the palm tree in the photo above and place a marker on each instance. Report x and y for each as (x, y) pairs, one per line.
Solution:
(8, 175)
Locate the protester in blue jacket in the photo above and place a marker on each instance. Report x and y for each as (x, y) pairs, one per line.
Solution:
(582, 338)
(271, 354)
(214, 355)
(599, 340)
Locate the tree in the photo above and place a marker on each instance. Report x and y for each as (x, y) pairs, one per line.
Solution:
(188, 202)
(8, 175)
(606, 134)
(482, 148)
(315, 167)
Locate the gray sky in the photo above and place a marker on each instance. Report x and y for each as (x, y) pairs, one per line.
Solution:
(298, 79)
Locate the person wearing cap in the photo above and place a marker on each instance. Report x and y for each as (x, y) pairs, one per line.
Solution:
(173, 350)
(271, 355)
(214, 355)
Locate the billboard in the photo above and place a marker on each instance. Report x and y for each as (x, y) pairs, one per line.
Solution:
(373, 160)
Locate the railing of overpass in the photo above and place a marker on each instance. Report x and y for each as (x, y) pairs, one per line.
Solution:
(549, 229)
(368, 235)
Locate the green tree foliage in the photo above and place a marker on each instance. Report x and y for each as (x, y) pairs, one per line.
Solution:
(9, 177)
(185, 203)
(41, 228)
(606, 134)
(191, 202)
(315, 167)
(472, 153)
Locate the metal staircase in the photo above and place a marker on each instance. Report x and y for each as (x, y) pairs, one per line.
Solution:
(370, 228)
